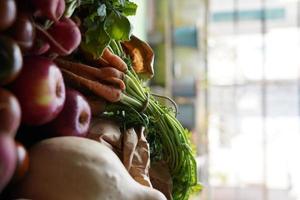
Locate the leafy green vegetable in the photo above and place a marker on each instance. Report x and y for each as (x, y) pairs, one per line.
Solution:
(118, 2)
(115, 23)
(117, 26)
(129, 8)
(95, 35)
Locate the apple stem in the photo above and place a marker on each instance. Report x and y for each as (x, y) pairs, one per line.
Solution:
(83, 118)
(58, 90)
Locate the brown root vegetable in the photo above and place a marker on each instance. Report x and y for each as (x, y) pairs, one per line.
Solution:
(114, 60)
(89, 72)
(107, 92)
(116, 82)
(79, 168)
(106, 74)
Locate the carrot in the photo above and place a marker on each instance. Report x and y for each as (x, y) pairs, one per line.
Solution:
(100, 62)
(114, 60)
(76, 68)
(111, 72)
(109, 93)
(116, 82)
(88, 71)
(107, 74)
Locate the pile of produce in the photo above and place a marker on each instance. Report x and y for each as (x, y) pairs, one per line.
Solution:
(75, 110)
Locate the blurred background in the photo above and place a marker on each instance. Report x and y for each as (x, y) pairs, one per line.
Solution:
(233, 67)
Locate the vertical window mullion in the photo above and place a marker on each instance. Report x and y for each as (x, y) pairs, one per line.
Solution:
(264, 99)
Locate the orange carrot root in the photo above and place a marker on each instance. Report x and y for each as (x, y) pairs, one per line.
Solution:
(116, 82)
(109, 93)
(114, 60)
(109, 74)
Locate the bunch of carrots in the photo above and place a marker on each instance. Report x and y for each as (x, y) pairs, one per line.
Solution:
(104, 78)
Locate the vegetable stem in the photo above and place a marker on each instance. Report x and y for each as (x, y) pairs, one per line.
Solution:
(174, 138)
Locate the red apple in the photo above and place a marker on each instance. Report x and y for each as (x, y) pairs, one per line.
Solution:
(74, 119)
(23, 31)
(7, 160)
(22, 164)
(10, 113)
(10, 60)
(8, 10)
(40, 90)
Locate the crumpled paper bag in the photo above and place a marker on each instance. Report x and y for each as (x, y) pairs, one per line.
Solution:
(131, 147)
(108, 133)
(161, 178)
(136, 155)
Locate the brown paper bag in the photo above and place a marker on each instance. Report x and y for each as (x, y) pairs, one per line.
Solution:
(131, 147)
(136, 155)
(161, 178)
(108, 133)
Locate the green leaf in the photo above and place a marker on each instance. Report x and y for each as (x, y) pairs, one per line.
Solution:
(118, 3)
(129, 8)
(96, 39)
(117, 26)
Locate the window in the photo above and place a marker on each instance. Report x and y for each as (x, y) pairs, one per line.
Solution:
(254, 129)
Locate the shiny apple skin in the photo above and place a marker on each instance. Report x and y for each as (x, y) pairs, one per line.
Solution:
(11, 60)
(22, 165)
(74, 119)
(8, 157)
(23, 31)
(10, 113)
(40, 90)
(8, 10)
